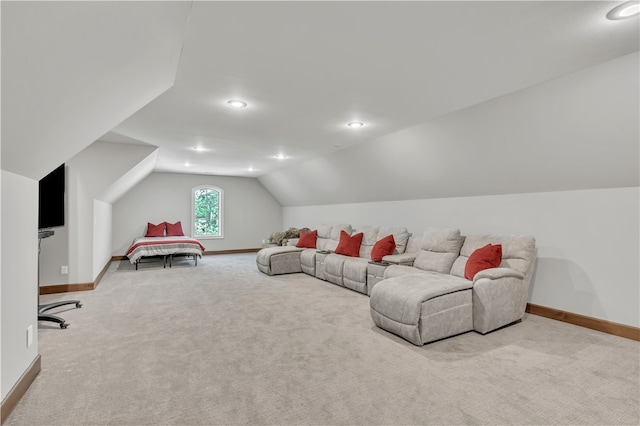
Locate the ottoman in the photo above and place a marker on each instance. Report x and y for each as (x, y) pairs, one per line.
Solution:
(279, 260)
(424, 307)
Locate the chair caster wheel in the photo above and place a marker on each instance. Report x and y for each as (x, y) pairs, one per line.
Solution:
(64, 325)
(78, 305)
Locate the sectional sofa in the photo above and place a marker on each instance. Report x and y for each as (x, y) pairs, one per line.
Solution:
(431, 286)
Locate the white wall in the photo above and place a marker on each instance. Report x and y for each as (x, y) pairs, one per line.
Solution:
(102, 222)
(19, 293)
(90, 174)
(250, 211)
(54, 254)
(588, 249)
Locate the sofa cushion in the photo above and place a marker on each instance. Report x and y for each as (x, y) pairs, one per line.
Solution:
(423, 308)
(369, 238)
(440, 248)
(279, 260)
(518, 251)
(307, 239)
(349, 245)
(382, 248)
(400, 270)
(483, 258)
(329, 235)
(354, 273)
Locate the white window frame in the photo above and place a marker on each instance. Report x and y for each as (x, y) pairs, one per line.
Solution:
(220, 212)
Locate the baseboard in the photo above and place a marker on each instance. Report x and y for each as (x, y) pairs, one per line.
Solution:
(66, 288)
(235, 251)
(605, 326)
(19, 389)
(101, 274)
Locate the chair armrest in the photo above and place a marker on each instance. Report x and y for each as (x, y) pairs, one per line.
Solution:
(499, 298)
(400, 259)
(497, 273)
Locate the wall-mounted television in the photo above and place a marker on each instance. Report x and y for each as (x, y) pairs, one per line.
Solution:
(51, 199)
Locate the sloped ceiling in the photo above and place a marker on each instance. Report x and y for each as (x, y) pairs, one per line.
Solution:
(71, 71)
(308, 68)
(75, 71)
(580, 131)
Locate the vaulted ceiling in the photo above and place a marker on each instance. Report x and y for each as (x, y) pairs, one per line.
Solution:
(306, 69)
(161, 73)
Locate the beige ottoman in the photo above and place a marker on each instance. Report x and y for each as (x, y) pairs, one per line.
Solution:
(424, 307)
(279, 260)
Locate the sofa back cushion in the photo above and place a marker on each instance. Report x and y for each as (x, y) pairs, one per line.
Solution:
(518, 251)
(414, 244)
(400, 237)
(440, 248)
(369, 238)
(329, 236)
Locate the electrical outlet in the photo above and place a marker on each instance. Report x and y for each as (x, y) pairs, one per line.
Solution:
(64, 270)
(29, 335)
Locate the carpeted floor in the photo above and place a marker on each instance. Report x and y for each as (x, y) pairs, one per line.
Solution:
(221, 343)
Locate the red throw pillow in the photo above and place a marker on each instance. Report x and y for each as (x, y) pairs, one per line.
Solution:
(485, 257)
(349, 245)
(174, 229)
(155, 230)
(307, 239)
(382, 248)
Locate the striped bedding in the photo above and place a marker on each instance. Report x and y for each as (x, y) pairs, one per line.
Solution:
(163, 246)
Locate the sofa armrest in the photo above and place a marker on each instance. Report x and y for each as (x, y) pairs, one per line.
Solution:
(496, 273)
(499, 298)
(400, 259)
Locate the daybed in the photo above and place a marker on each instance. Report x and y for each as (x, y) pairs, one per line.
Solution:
(164, 241)
(427, 289)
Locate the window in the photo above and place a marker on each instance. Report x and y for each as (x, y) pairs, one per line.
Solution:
(207, 211)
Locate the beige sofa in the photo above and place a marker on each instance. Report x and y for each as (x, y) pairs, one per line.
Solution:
(420, 291)
(432, 299)
(290, 259)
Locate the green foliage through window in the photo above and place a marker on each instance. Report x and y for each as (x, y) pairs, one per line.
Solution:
(207, 219)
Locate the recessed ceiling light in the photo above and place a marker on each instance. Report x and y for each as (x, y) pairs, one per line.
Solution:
(237, 103)
(251, 169)
(280, 156)
(198, 148)
(355, 124)
(187, 164)
(624, 10)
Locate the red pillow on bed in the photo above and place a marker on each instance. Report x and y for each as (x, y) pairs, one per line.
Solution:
(174, 229)
(155, 230)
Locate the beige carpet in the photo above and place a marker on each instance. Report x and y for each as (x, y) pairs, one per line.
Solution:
(221, 343)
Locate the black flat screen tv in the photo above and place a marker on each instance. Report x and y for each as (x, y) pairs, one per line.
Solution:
(51, 199)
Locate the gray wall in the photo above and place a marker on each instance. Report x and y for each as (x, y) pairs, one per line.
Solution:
(250, 211)
(19, 266)
(587, 240)
(559, 161)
